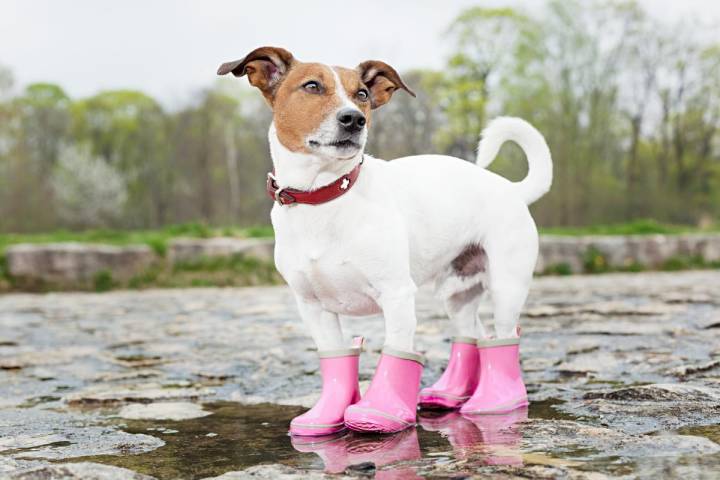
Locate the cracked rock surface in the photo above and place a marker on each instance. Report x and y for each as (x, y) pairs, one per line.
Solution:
(623, 372)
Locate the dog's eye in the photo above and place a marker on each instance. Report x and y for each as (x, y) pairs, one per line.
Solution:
(312, 86)
(363, 95)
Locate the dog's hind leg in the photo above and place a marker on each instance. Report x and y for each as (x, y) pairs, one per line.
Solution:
(510, 273)
(460, 378)
(511, 259)
(462, 308)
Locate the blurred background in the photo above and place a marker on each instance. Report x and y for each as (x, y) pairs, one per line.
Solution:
(111, 116)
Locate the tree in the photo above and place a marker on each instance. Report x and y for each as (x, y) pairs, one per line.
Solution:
(130, 131)
(407, 125)
(89, 192)
(221, 146)
(484, 41)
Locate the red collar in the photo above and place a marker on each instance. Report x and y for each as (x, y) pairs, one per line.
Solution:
(288, 196)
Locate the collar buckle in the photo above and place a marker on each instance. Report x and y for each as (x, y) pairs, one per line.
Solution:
(279, 195)
(283, 198)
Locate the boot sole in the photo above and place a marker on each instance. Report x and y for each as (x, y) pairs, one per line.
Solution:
(437, 403)
(441, 401)
(374, 421)
(500, 410)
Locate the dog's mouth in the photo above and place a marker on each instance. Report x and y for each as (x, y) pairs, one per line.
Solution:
(345, 144)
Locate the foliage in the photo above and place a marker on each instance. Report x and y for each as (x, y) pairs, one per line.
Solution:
(4, 273)
(683, 263)
(260, 231)
(559, 269)
(594, 261)
(637, 227)
(88, 190)
(103, 281)
(156, 239)
(236, 270)
(630, 108)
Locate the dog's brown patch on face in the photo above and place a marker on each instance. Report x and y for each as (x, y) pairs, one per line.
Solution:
(352, 84)
(297, 112)
(471, 261)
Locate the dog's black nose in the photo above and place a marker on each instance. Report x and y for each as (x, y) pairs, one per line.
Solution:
(351, 120)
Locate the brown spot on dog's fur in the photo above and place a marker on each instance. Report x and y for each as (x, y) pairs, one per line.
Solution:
(471, 261)
(298, 113)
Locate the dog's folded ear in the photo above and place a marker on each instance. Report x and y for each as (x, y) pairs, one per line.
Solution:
(264, 66)
(382, 80)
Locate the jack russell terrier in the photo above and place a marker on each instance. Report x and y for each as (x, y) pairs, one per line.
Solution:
(356, 235)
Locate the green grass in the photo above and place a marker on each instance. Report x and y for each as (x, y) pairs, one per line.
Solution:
(103, 281)
(594, 261)
(637, 227)
(157, 239)
(233, 271)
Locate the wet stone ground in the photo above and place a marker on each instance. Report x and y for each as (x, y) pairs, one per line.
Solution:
(623, 373)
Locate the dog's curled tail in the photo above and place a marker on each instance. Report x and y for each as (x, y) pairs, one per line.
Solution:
(500, 130)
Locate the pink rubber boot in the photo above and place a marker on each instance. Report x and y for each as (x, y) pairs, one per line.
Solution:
(339, 370)
(390, 403)
(459, 379)
(501, 388)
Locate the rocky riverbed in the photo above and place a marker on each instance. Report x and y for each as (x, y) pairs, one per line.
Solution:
(623, 371)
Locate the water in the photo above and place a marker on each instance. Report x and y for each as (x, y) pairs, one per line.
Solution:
(238, 436)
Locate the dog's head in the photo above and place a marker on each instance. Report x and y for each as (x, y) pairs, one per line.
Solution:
(318, 109)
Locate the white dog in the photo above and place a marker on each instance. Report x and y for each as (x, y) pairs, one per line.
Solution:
(356, 235)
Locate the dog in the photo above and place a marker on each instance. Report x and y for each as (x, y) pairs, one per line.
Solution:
(357, 235)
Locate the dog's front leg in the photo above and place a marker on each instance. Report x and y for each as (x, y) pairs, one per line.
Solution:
(390, 403)
(338, 368)
(324, 326)
(398, 306)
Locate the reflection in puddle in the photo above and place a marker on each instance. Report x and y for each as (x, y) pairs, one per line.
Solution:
(495, 438)
(365, 452)
(238, 436)
(486, 440)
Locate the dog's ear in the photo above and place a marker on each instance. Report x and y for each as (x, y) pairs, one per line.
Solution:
(382, 80)
(265, 67)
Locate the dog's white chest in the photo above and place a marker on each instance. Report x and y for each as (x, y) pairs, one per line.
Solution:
(320, 271)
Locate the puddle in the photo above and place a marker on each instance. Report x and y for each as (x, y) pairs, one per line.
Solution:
(238, 436)
(709, 431)
(547, 409)
(234, 437)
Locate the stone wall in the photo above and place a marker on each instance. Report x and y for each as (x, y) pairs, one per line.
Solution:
(69, 263)
(75, 263)
(622, 252)
(193, 249)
